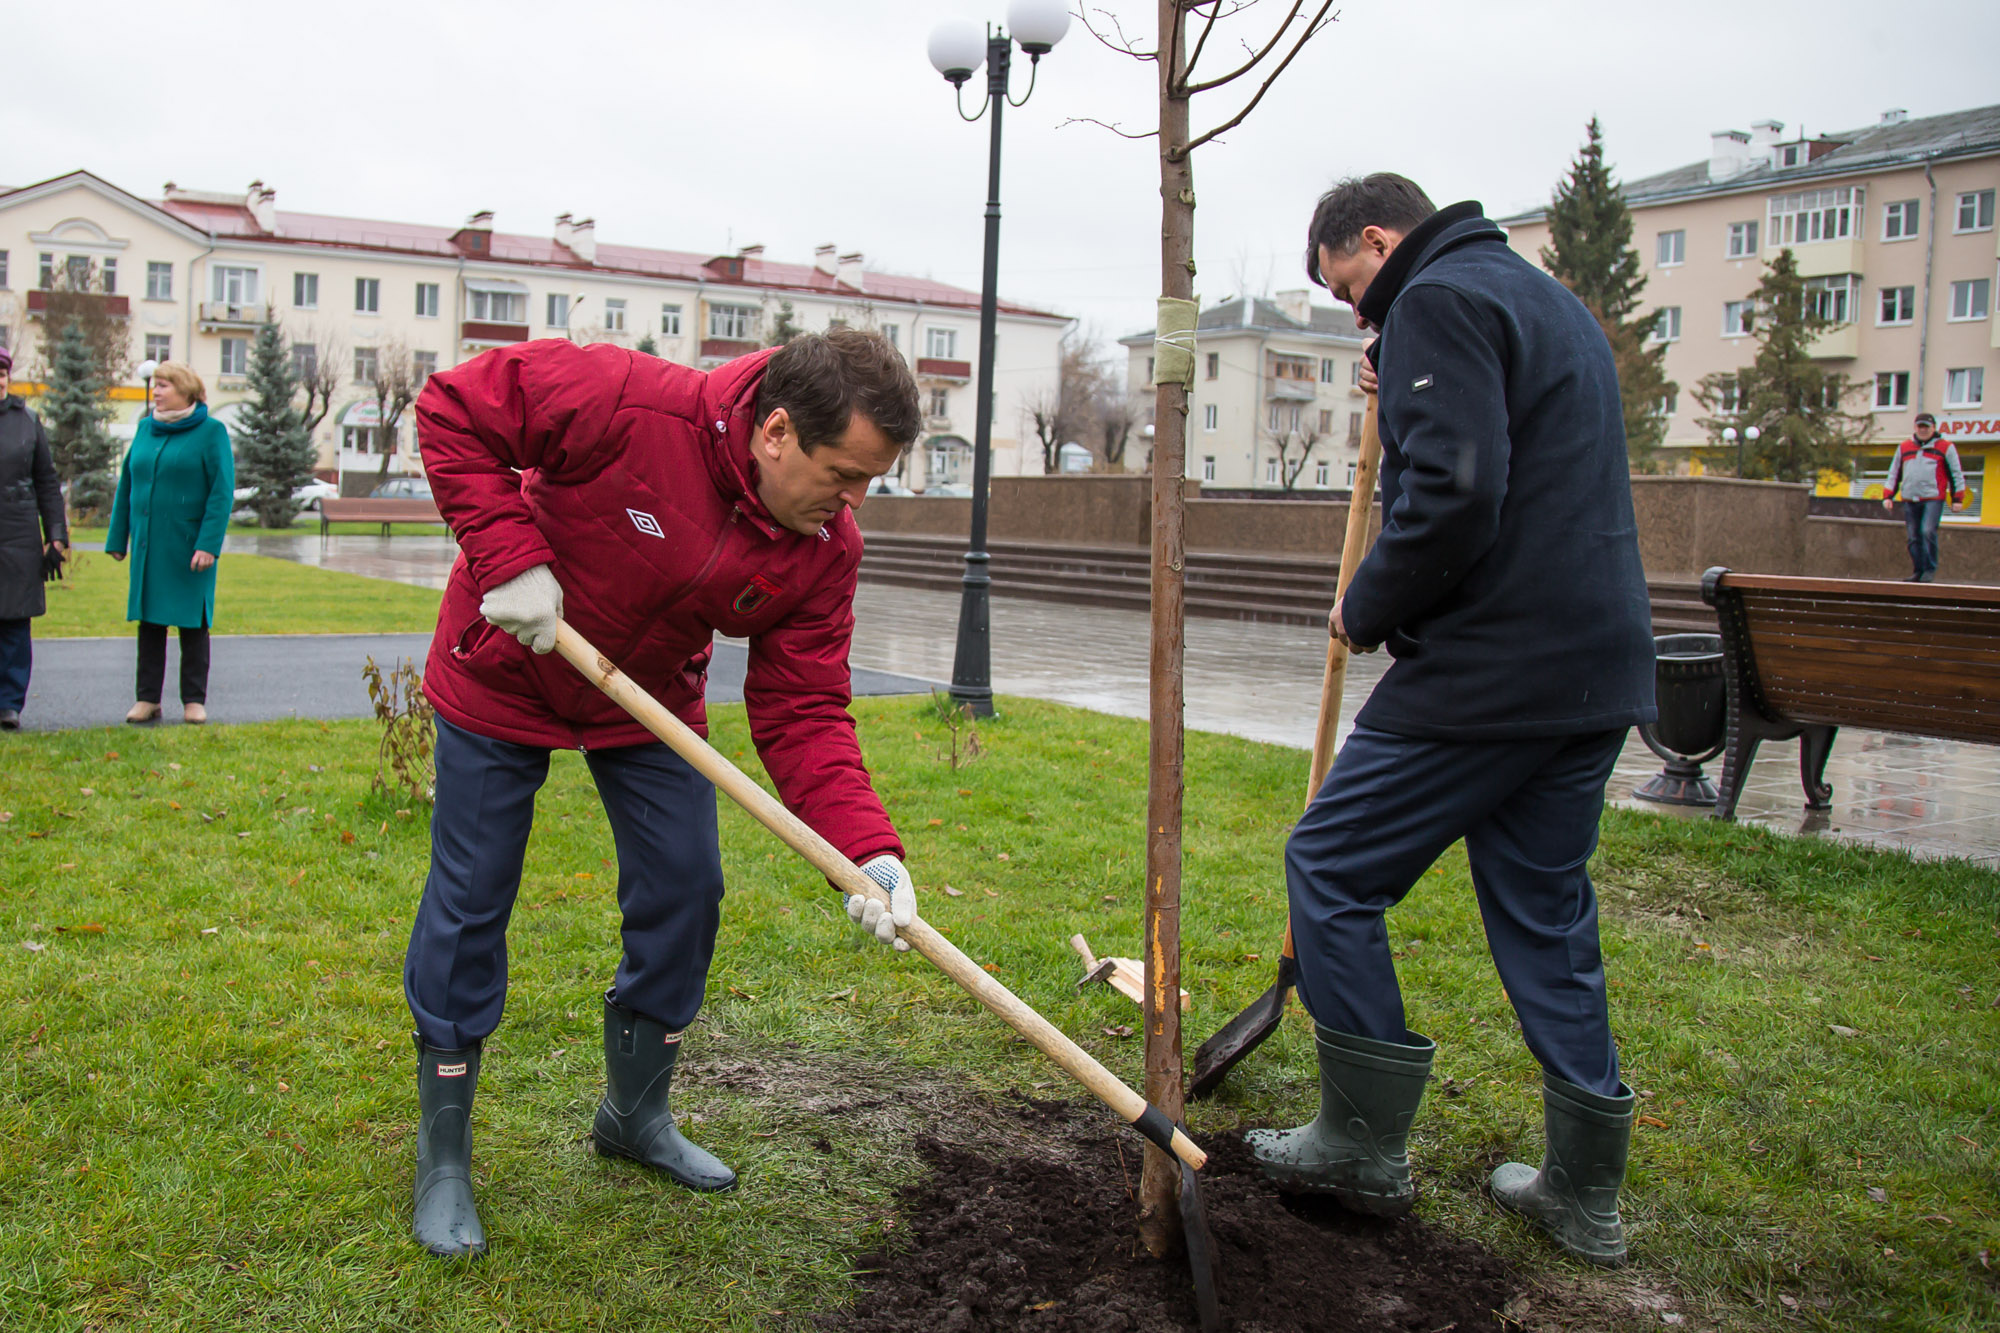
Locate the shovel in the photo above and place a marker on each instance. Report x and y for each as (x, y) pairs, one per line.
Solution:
(794, 832)
(1245, 1032)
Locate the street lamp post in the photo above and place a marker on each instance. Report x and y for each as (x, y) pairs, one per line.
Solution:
(957, 49)
(1748, 435)
(146, 369)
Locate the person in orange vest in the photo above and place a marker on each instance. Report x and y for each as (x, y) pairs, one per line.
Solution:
(1925, 470)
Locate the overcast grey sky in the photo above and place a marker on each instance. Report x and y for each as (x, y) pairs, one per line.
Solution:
(698, 126)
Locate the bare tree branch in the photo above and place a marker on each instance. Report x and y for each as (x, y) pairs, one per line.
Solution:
(1092, 120)
(1318, 23)
(1255, 59)
(1221, 11)
(1123, 46)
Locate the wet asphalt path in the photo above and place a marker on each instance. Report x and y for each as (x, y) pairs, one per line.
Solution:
(260, 678)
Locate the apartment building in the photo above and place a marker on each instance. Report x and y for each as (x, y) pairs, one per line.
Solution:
(1894, 227)
(1276, 403)
(195, 273)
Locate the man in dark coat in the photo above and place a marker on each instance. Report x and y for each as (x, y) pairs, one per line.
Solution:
(1507, 586)
(32, 527)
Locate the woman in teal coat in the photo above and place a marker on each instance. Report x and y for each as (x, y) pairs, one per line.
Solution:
(175, 491)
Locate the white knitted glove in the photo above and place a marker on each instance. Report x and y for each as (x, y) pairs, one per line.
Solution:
(527, 606)
(879, 921)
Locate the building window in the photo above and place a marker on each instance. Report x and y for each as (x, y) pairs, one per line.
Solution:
(1669, 403)
(1667, 324)
(1354, 374)
(233, 286)
(894, 333)
(942, 343)
(3, 268)
(1899, 220)
(940, 402)
(1892, 389)
(1149, 370)
(159, 281)
(508, 307)
(614, 316)
(159, 347)
(367, 296)
(1965, 388)
(1972, 300)
(1899, 305)
(110, 271)
(558, 310)
(1671, 248)
(367, 440)
(427, 300)
(1354, 428)
(77, 267)
(1272, 420)
(305, 361)
(48, 274)
(1210, 416)
(1790, 154)
(670, 321)
(1270, 472)
(1742, 240)
(365, 363)
(735, 322)
(1814, 215)
(1326, 421)
(1208, 467)
(1328, 370)
(1833, 298)
(423, 365)
(1214, 365)
(1323, 473)
(1737, 317)
(1729, 398)
(1975, 211)
(305, 291)
(235, 356)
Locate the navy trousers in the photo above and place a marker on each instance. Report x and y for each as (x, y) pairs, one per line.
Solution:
(17, 661)
(1528, 812)
(1921, 519)
(663, 825)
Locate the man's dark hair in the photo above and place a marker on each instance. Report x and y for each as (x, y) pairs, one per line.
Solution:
(1385, 200)
(823, 379)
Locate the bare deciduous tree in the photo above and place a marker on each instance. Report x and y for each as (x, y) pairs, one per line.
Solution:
(1295, 447)
(318, 359)
(396, 385)
(77, 296)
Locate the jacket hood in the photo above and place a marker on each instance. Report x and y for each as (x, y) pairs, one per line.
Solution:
(729, 413)
(1442, 231)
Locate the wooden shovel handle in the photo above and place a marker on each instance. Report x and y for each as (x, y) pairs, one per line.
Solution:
(847, 877)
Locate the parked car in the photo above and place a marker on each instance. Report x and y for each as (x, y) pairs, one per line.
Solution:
(306, 497)
(888, 486)
(402, 488)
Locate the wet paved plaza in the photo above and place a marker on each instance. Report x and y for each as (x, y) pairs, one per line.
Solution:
(1931, 797)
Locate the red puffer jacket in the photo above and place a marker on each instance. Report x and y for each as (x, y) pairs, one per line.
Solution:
(636, 484)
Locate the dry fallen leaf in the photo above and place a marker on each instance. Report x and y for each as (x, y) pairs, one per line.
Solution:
(965, 791)
(1839, 1031)
(1002, 857)
(210, 930)
(33, 946)
(991, 894)
(1122, 1030)
(111, 754)
(1653, 1120)
(950, 892)
(584, 874)
(86, 791)
(934, 823)
(1253, 957)
(346, 835)
(177, 768)
(990, 967)
(1878, 1194)
(90, 928)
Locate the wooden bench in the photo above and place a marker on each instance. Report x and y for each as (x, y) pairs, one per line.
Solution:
(1804, 657)
(359, 509)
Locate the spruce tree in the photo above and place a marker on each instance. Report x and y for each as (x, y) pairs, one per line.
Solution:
(647, 345)
(74, 410)
(274, 450)
(1590, 251)
(1794, 404)
(784, 328)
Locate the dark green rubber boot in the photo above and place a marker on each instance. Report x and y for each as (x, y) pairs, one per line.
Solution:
(1368, 1095)
(634, 1121)
(1575, 1195)
(444, 1219)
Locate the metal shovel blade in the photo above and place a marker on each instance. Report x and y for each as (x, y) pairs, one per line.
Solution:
(1242, 1034)
(1200, 1252)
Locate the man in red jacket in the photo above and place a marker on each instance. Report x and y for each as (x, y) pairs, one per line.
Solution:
(652, 506)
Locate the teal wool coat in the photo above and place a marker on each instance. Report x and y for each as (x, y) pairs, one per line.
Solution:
(175, 491)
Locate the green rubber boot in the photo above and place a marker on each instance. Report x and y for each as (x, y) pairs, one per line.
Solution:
(444, 1218)
(1575, 1195)
(634, 1121)
(1355, 1150)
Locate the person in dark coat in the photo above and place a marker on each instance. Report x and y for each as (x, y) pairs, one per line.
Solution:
(175, 489)
(1507, 587)
(32, 529)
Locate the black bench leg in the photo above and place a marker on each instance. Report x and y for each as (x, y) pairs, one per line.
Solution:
(1815, 745)
(1736, 759)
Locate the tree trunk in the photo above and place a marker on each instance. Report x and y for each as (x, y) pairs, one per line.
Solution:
(1159, 1186)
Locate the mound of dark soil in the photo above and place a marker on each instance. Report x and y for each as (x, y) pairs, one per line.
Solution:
(1046, 1240)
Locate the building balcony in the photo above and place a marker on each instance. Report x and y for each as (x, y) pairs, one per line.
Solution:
(937, 424)
(228, 315)
(1290, 391)
(1826, 259)
(1840, 343)
(938, 368)
(486, 333)
(38, 303)
(715, 351)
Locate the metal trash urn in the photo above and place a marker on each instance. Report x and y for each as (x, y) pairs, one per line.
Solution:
(1694, 718)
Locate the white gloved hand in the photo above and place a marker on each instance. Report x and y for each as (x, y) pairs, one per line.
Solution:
(527, 606)
(880, 921)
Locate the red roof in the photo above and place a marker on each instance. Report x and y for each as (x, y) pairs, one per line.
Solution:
(236, 221)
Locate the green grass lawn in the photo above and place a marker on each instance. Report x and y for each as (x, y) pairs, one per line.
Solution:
(305, 525)
(206, 1096)
(254, 594)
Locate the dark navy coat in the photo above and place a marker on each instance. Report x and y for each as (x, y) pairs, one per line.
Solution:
(1506, 582)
